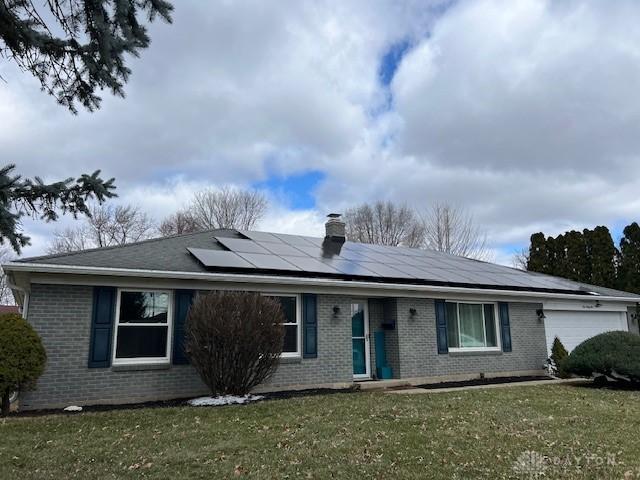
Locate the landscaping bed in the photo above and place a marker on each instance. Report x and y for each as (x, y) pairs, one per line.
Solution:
(561, 431)
(483, 381)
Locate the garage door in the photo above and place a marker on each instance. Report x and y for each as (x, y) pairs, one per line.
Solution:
(573, 327)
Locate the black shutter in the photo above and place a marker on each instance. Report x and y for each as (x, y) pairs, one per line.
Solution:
(183, 299)
(441, 326)
(505, 327)
(310, 325)
(104, 300)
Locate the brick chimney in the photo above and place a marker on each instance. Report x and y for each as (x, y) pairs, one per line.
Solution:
(335, 228)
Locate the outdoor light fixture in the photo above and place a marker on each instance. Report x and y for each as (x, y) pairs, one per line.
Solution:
(336, 311)
(540, 314)
(412, 312)
(598, 304)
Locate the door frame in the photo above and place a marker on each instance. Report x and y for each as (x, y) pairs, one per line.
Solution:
(367, 342)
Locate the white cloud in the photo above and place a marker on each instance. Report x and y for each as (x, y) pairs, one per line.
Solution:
(524, 112)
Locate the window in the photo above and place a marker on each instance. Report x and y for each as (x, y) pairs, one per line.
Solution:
(142, 333)
(471, 326)
(291, 309)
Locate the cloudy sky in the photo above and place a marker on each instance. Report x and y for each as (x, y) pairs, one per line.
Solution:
(524, 112)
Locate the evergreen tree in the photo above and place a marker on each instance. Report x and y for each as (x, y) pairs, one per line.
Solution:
(557, 256)
(578, 265)
(538, 255)
(76, 47)
(603, 257)
(629, 269)
(20, 197)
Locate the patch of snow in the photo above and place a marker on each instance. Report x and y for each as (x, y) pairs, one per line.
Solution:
(72, 408)
(223, 400)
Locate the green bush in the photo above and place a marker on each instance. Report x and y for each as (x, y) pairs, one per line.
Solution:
(559, 356)
(22, 357)
(614, 354)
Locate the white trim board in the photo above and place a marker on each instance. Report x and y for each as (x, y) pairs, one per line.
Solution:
(80, 275)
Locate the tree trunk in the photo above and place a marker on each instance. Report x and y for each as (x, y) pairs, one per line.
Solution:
(6, 405)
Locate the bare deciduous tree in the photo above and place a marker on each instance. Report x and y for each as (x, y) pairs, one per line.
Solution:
(520, 259)
(178, 223)
(6, 297)
(107, 226)
(227, 208)
(384, 223)
(234, 340)
(453, 230)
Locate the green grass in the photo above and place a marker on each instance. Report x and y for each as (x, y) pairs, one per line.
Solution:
(467, 434)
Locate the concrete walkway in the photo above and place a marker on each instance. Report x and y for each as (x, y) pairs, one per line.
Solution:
(413, 391)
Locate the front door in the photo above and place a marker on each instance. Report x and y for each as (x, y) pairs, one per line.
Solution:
(360, 340)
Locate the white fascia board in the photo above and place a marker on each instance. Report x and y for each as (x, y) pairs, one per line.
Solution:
(69, 274)
(589, 305)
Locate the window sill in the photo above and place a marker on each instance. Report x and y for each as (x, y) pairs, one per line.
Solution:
(129, 367)
(463, 353)
(285, 360)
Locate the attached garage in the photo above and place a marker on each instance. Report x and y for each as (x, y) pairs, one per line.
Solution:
(573, 322)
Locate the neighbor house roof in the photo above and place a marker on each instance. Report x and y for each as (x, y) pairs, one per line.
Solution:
(274, 254)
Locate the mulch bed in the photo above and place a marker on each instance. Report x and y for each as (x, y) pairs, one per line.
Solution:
(482, 381)
(178, 402)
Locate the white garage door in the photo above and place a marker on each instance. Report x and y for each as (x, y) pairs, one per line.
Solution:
(573, 327)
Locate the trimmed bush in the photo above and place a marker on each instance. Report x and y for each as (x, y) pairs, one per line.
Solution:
(22, 357)
(559, 356)
(234, 340)
(613, 354)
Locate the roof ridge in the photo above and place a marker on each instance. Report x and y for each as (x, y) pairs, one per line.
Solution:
(116, 247)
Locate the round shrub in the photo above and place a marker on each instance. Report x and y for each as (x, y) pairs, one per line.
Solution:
(22, 357)
(234, 340)
(614, 354)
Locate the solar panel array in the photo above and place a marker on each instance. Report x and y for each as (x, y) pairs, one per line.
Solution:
(306, 255)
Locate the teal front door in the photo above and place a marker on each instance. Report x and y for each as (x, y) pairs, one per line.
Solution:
(360, 340)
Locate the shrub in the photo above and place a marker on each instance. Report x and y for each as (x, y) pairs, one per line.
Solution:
(234, 340)
(614, 354)
(22, 357)
(559, 356)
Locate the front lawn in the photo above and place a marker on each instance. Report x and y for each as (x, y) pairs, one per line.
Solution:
(584, 432)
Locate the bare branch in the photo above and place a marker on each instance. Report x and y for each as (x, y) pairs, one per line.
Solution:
(384, 223)
(453, 230)
(227, 208)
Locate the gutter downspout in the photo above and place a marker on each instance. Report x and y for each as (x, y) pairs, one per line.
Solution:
(25, 296)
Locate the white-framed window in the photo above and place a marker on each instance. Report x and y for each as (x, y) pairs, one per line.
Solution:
(143, 326)
(472, 326)
(292, 309)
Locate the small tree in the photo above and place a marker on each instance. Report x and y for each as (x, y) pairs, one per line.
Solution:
(559, 356)
(234, 340)
(22, 357)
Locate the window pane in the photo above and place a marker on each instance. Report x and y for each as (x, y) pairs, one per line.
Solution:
(357, 320)
(452, 325)
(290, 339)
(471, 325)
(135, 342)
(143, 307)
(490, 325)
(288, 306)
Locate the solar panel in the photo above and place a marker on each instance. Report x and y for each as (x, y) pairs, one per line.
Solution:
(309, 250)
(242, 245)
(219, 258)
(298, 253)
(293, 239)
(313, 265)
(260, 236)
(267, 262)
(385, 270)
(283, 249)
(350, 268)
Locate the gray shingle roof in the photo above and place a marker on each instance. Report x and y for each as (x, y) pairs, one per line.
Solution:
(304, 255)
